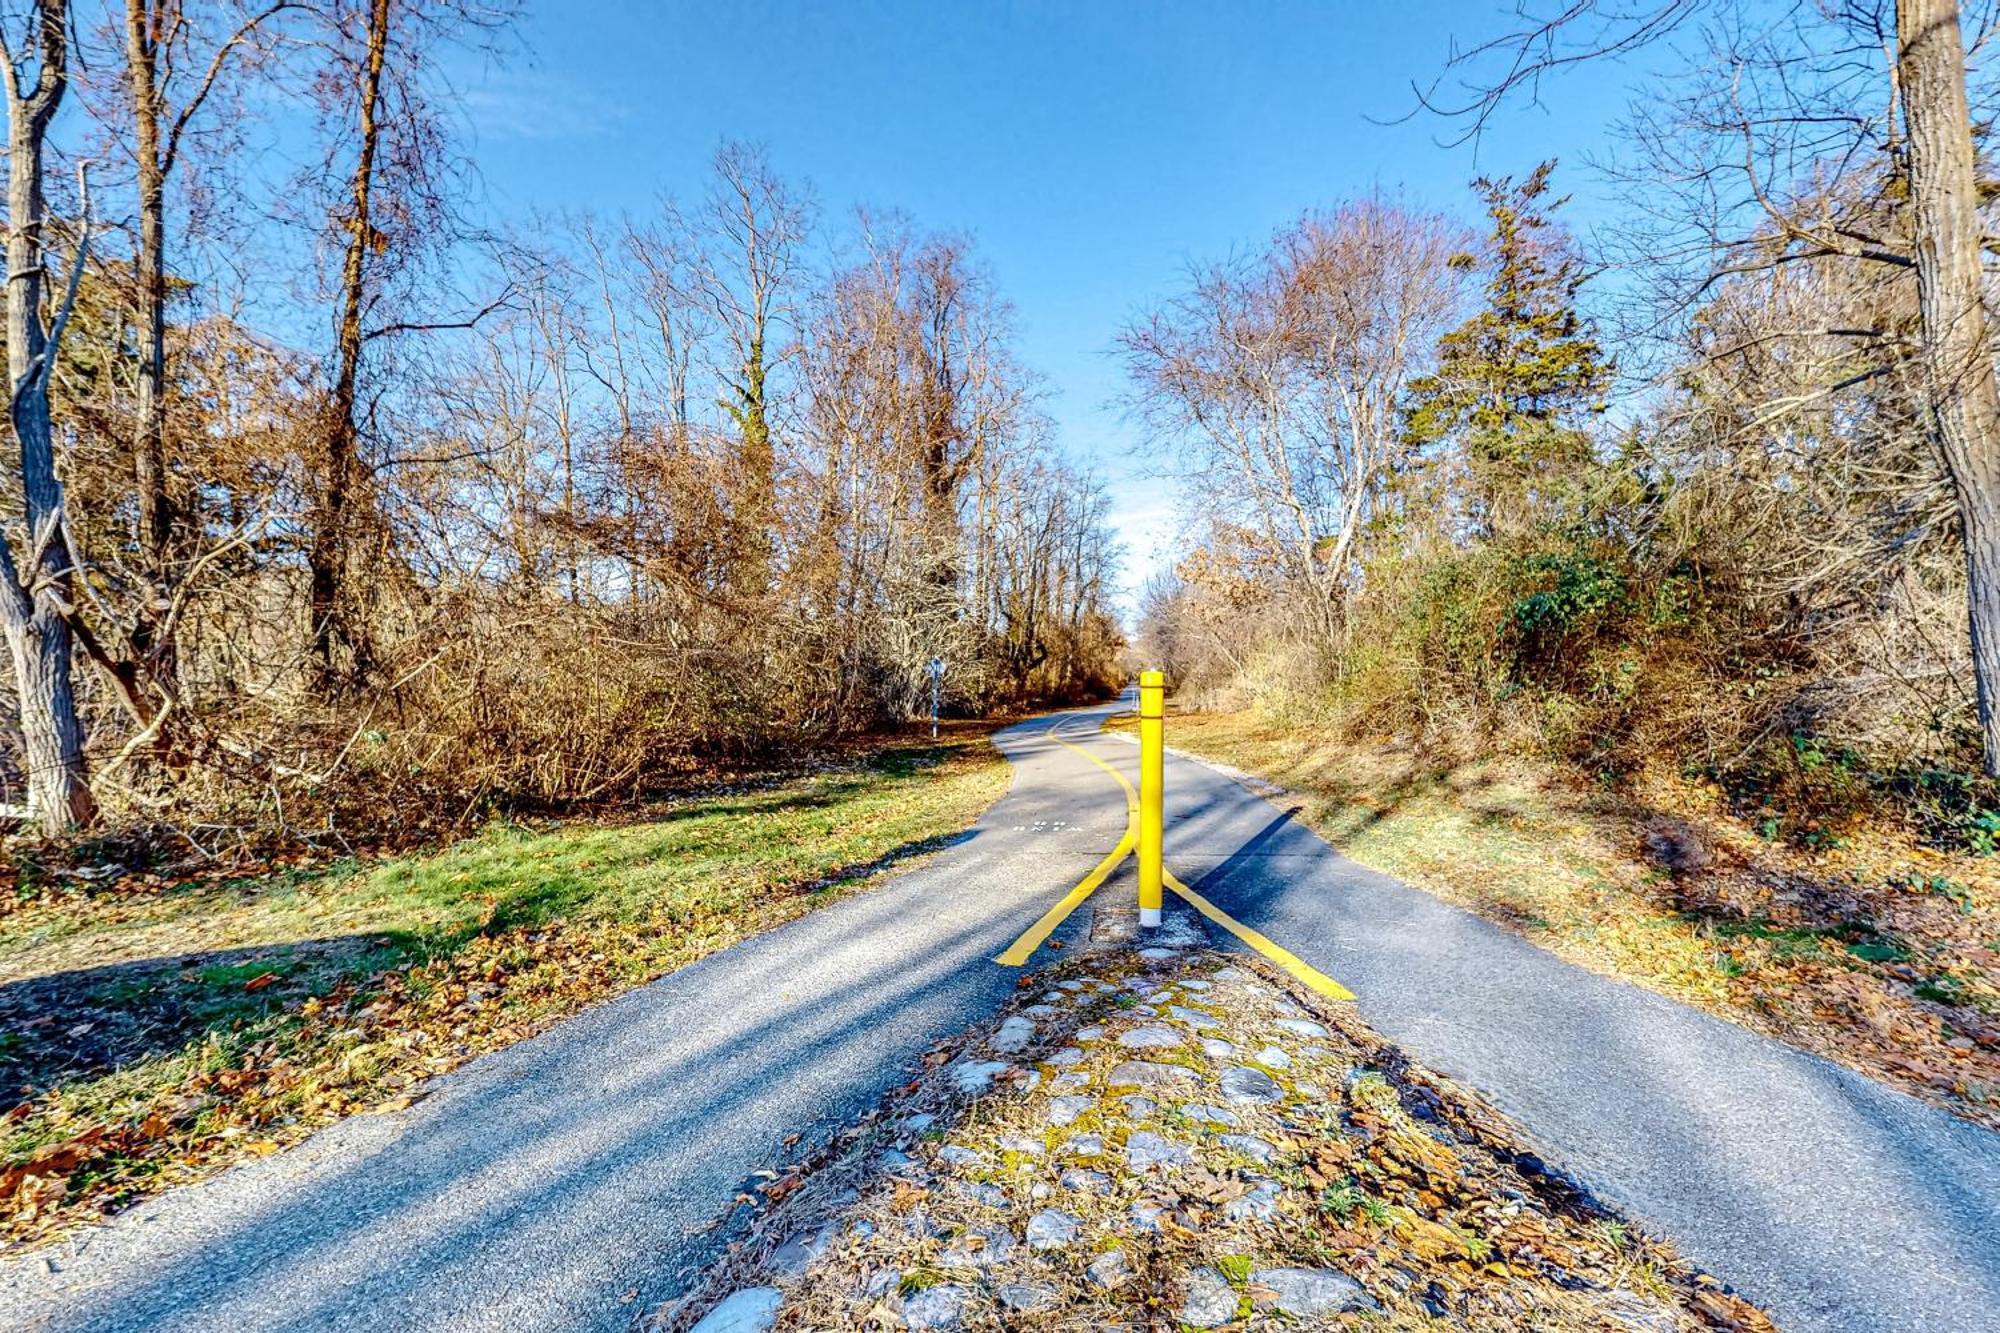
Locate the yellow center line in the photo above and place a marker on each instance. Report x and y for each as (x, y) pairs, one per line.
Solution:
(1131, 794)
(1019, 952)
(1022, 949)
(1298, 967)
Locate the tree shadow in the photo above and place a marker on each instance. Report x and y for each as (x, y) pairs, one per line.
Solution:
(87, 1023)
(551, 1176)
(1757, 1156)
(90, 1022)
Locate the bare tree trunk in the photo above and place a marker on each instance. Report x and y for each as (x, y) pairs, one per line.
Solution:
(333, 626)
(142, 23)
(151, 641)
(1957, 343)
(32, 611)
(148, 655)
(59, 795)
(945, 455)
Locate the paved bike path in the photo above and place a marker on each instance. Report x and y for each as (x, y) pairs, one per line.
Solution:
(560, 1183)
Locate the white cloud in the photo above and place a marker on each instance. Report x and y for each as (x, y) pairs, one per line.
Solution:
(535, 107)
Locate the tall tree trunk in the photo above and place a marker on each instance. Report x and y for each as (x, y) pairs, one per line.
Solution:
(334, 630)
(32, 609)
(149, 467)
(946, 456)
(152, 641)
(1957, 342)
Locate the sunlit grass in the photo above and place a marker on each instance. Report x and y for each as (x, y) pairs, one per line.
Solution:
(699, 855)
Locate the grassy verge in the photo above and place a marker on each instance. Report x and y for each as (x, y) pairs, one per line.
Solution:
(146, 1039)
(1876, 951)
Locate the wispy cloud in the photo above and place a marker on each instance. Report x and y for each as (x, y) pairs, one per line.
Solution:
(538, 107)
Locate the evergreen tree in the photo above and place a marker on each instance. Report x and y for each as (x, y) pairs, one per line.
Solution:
(1516, 382)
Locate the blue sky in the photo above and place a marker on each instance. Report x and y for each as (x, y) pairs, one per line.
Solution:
(1091, 149)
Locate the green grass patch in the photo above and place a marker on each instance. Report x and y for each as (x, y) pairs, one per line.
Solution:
(1878, 951)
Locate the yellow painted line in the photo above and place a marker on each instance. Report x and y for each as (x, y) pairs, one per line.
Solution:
(1022, 949)
(1131, 794)
(1298, 967)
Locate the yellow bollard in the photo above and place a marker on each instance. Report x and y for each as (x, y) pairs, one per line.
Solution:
(1152, 783)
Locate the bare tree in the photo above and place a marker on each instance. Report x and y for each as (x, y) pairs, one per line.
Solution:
(35, 567)
(132, 603)
(697, 463)
(334, 630)
(392, 211)
(1283, 376)
(159, 39)
(744, 241)
(947, 440)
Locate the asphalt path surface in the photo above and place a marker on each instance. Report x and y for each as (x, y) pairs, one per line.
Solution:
(567, 1181)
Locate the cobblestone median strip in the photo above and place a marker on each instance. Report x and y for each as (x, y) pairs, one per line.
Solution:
(1186, 1139)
